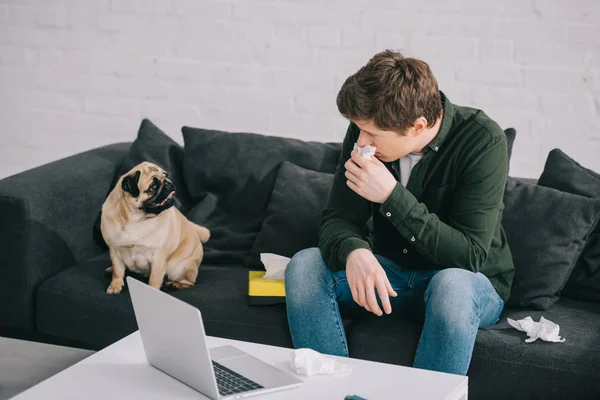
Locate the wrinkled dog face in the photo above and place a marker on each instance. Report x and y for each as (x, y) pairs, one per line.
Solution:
(148, 188)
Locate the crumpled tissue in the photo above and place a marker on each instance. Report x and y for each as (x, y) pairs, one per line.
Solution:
(274, 264)
(367, 151)
(310, 362)
(545, 329)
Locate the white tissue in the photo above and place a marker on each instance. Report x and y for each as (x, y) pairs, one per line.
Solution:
(309, 362)
(367, 151)
(274, 264)
(545, 329)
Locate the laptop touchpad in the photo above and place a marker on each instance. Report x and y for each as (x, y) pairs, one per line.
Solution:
(225, 352)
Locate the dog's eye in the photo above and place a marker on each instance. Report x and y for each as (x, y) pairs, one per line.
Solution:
(153, 187)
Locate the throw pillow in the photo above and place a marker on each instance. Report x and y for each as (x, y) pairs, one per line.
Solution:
(230, 177)
(153, 145)
(546, 231)
(293, 214)
(565, 174)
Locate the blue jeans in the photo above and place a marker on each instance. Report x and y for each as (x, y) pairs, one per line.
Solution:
(452, 304)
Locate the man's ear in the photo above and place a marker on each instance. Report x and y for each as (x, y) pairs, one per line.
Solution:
(420, 125)
(130, 184)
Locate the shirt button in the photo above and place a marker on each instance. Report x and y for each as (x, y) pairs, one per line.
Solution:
(436, 148)
(388, 214)
(405, 251)
(412, 239)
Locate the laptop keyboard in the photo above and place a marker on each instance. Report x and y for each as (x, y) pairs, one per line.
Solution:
(230, 382)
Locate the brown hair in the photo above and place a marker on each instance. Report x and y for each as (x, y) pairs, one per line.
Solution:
(393, 91)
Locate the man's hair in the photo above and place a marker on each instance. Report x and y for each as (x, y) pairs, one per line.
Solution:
(392, 91)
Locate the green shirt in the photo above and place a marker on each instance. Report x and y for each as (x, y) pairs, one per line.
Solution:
(448, 215)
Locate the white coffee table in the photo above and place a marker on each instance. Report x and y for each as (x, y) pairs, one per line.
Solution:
(121, 371)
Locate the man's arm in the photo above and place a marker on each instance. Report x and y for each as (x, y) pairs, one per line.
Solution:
(343, 222)
(464, 241)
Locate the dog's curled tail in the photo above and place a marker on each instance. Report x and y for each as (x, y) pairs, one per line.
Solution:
(203, 233)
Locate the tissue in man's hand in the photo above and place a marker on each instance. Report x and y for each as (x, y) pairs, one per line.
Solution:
(309, 362)
(545, 329)
(274, 264)
(367, 151)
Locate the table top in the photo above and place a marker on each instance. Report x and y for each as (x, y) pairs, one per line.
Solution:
(121, 371)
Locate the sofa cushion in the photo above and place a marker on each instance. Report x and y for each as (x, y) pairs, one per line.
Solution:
(293, 214)
(73, 304)
(501, 355)
(546, 230)
(230, 177)
(563, 173)
(570, 368)
(153, 145)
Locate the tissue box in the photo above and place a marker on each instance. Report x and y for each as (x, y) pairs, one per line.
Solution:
(263, 291)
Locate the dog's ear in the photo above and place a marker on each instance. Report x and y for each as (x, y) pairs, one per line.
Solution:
(130, 184)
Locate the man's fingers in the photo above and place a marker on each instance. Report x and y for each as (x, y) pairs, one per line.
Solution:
(372, 301)
(360, 298)
(366, 306)
(377, 161)
(360, 293)
(351, 177)
(352, 167)
(358, 159)
(382, 292)
(354, 292)
(390, 291)
(353, 186)
(384, 297)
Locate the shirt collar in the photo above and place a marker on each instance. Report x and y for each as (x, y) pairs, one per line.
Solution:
(438, 141)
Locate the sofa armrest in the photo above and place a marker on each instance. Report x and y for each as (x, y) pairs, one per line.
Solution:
(47, 216)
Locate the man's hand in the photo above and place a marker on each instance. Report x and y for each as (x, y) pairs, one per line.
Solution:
(365, 274)
(370, 179)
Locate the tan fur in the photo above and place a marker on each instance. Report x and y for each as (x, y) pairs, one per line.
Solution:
(153, 245)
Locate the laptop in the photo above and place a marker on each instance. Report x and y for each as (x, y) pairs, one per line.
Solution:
(175, 343)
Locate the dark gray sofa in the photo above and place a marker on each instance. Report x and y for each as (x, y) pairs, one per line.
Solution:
(52, 288)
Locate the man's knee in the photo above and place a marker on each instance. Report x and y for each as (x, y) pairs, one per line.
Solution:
(451, 282)
(301, 263)
(451, 293)
(304, 274)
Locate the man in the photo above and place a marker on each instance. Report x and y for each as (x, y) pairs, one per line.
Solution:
(434, 189)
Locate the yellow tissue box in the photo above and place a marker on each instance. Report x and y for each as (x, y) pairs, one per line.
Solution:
(263, 291)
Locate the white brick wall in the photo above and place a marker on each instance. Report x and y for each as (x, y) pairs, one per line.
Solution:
(76, 74)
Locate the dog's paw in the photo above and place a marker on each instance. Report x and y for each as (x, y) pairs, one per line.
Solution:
(168, 287)
(115, 288)
(172, 286)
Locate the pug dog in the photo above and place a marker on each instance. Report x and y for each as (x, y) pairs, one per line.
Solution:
(146, 234)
